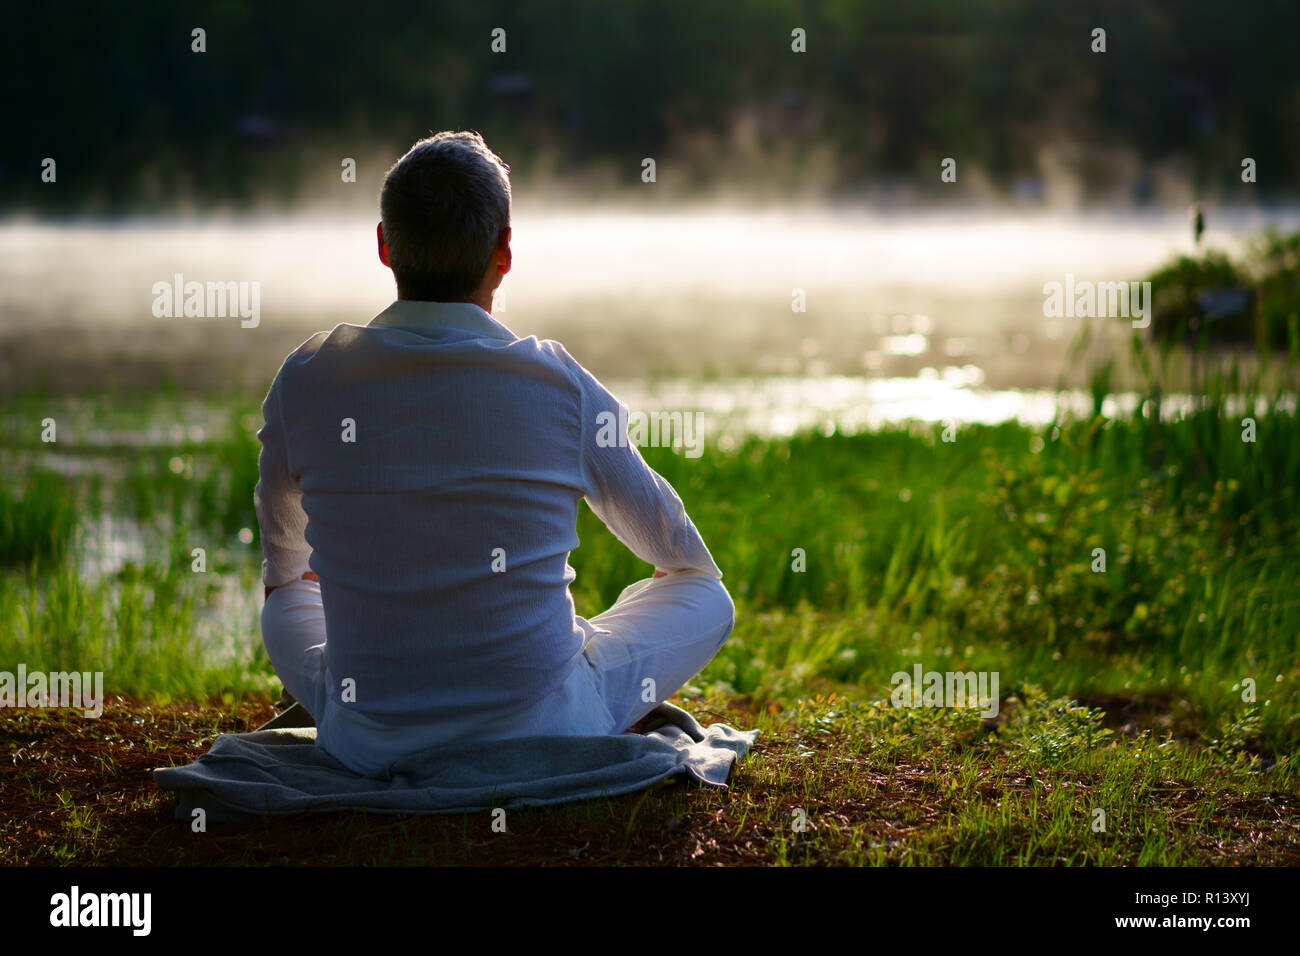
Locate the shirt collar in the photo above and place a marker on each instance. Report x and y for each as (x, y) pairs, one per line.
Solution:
(416, 316)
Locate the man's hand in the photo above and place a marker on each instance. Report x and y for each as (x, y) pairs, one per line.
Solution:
(306, 576)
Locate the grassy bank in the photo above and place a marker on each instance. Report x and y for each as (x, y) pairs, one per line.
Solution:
(851, 558)
(973, 554)
(872, 785)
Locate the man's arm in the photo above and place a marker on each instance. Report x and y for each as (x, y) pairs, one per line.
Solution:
(634, 501)
(278, 502)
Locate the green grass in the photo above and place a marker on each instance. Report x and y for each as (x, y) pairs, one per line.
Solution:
(976, 554)
(1123, 691)
(832, 781)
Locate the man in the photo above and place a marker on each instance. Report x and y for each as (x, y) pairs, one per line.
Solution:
(418, 493)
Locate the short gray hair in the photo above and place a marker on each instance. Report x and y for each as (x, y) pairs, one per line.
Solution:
(444, 206)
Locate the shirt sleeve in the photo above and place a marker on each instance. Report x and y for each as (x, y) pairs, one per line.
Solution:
(635, 502)
(278, 500)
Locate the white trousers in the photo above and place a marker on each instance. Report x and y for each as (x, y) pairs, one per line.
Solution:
(658, 635)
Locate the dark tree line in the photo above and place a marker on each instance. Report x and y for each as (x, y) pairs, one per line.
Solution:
(134, 118)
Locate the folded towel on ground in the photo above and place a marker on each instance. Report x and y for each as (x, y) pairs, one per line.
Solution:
(281, 770)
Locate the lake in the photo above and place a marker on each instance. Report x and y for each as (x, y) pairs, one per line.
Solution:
(920, 314)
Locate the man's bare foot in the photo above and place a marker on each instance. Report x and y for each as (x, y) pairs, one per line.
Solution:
(640, 726)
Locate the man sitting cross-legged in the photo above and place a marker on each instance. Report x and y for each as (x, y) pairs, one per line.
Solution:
(418, 496)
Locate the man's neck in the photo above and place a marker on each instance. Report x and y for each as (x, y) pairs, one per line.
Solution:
(482, 300)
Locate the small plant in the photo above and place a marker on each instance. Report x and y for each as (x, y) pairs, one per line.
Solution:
(1053, 729)
(1237, 733)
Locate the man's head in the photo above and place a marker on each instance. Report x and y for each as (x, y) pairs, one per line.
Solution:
(445, 227)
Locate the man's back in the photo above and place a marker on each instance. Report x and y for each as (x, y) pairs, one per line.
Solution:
(440, 466)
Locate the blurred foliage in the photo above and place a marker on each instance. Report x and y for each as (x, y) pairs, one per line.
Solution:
(137, 121)
(1211, 299)
(36, 521)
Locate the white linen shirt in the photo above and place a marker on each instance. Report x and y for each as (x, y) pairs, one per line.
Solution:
(469, 447)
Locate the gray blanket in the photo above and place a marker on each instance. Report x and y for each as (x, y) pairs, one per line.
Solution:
(281, 770)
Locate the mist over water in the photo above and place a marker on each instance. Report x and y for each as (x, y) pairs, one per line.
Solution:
(686, 295)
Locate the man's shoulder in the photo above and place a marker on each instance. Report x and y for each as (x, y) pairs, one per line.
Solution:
(556, 352)
(339, 337)
(583, 379)
(289, 376)
(532, 350)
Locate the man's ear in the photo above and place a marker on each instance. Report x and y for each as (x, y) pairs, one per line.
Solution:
(383, 246)
(503, 247)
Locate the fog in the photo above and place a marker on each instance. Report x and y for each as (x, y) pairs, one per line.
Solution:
(690, 293)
